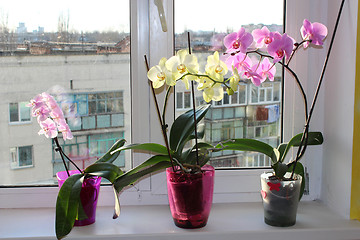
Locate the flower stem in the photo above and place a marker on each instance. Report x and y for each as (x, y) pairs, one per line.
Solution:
(163, 125)
(320, 82)
(193, 103)
(62, 155)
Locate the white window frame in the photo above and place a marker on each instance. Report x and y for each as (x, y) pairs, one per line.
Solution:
(155, 44)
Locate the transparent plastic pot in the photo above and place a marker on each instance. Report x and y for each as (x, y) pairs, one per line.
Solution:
(280, 199)
(89, 195)
(190, 196)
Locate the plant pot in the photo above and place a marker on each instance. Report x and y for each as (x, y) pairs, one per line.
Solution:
(280, 199)
(190, 196)
(88, 195)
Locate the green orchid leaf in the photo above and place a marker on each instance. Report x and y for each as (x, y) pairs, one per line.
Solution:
(117, 204)
(67, 205)
(109, 156)
(105, 170)
(244, 144)
(299, 169)
(184, 126)
(315, 138)
(192, 159)
(280, 169)
(111, 173)
(151, 147)
(200, 132)
(202, 146)
(281, 148)
(154, 163)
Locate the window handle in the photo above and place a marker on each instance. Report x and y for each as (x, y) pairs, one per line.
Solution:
(160, 7)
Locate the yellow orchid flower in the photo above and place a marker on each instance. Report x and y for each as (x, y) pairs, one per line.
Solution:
(159, 74)
(182, 63)
(234, 79)
(216, 93)
(215, 67)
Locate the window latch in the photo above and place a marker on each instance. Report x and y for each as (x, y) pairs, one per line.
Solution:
(160, 7)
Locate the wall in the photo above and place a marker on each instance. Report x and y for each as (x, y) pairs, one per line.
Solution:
(339, 110)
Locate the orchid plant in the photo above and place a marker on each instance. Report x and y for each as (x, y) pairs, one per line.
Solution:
(269, 49)
(68, 205)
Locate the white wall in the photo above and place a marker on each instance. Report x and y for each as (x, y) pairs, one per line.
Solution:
(329, 165)
(339, 110)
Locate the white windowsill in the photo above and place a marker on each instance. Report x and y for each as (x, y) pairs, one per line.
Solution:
(227, 221)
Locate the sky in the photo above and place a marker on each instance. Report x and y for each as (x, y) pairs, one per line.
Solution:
(221, 15)
(104, 15)
(84, 15)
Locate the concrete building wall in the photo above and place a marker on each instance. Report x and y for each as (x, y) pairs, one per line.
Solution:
(23, 77)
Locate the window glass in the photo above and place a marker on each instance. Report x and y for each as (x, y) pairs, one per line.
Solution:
(21, 157)
(255, 108)
(79, 54)
(14, 112)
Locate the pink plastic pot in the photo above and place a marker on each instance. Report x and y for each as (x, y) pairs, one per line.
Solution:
(190, 196)
(88, 195)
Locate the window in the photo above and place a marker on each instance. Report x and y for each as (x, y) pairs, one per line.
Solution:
(183, 100)
(21, 157)
(82, 58)
(83, 107)
(251, 111)
(88, 80)
(86, 149)
(18, 112)
(268, 92)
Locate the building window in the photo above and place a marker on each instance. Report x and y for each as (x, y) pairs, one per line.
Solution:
(109, 102)
(267, 92)
(21, 157)
(19, 112)
(86, 149)
(107, 110)
(183, 100)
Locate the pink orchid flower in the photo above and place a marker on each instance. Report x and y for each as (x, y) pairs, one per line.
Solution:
(42, 113)
(264, 37)
(240, 61)
(238, 41)
(316, 32)
(37, 102)
(50, 101)
(65, 130)
(266, 70)
(280, 47)
(255, 77)
(48, 128)
(57, 114)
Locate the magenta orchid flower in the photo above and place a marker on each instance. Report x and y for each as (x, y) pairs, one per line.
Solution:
(238, 41)
(281, 47)
(48, 128)
(266, 69)
(264, 36)
(316, 32)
